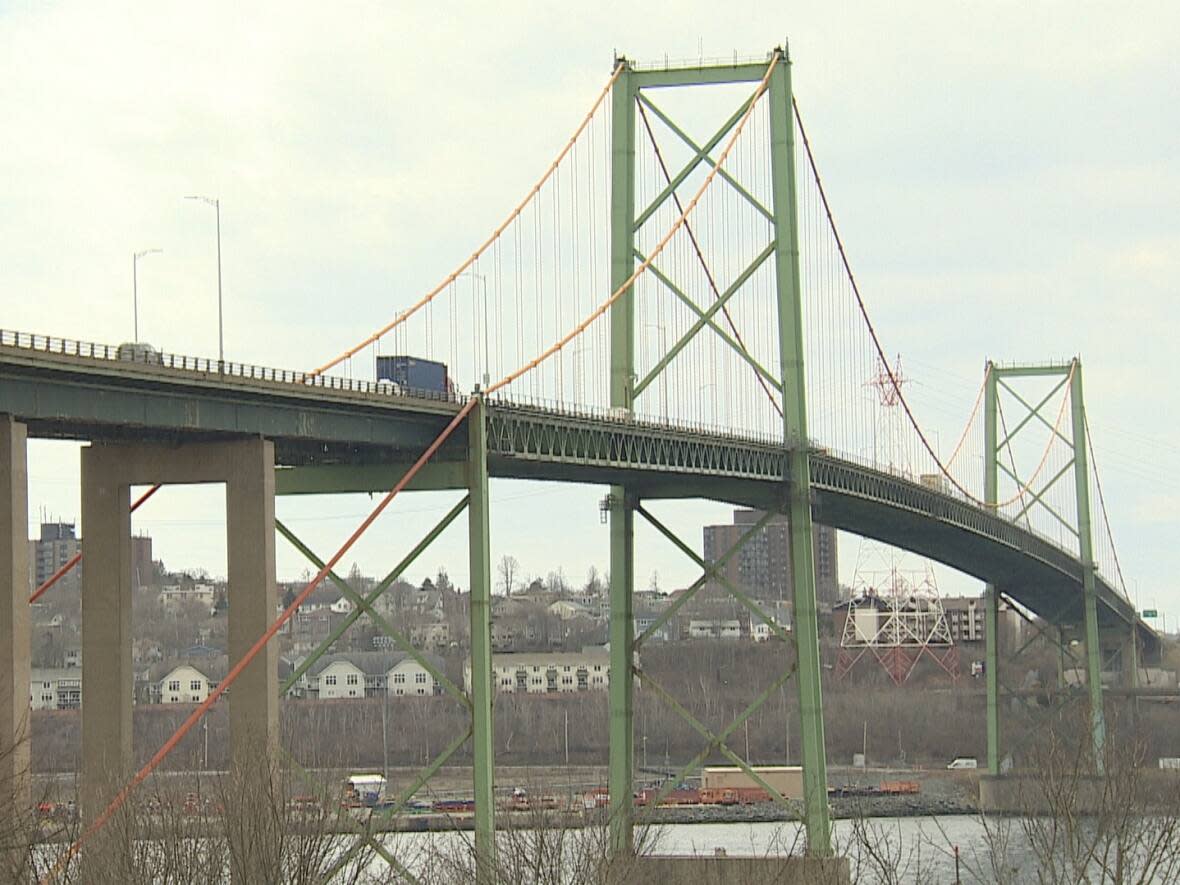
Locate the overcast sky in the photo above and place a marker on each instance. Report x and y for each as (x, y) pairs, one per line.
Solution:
(1006, 176)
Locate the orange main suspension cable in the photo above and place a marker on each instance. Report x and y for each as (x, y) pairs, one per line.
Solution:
(140, 776)
(77, 557)
(512, 216)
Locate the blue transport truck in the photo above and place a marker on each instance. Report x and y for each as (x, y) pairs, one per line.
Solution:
(413, 373)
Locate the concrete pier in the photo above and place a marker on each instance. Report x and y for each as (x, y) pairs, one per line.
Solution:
(14, 617)
(246, 467)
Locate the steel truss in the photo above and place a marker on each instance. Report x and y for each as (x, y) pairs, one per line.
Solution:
(478, 703)
(1068, 377)
(632, 101)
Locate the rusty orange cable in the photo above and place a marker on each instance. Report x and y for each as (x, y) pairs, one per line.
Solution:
(512, 216)
(967, 427)
(630, 281)
(77, 557)
(140, 776)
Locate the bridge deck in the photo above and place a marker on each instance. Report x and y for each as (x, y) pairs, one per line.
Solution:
(365, 431)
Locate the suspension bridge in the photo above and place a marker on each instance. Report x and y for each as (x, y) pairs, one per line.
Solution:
(668, 314)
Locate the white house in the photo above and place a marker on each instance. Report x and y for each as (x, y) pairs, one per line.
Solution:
(370, 674)
(715, 628)
(185, 684)
(567, 609)
(55, 689)
(174, 594)
(408, 677)
(340, 679)
(548, 673)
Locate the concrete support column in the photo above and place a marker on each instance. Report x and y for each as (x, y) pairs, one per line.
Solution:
(250, 554)
(107, 678)
(14, 618)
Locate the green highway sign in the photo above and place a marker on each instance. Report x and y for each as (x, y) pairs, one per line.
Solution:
(1150, 613)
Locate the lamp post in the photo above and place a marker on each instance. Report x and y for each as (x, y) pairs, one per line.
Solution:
(663, 339)
(216, 204)
(135, 256)
(483, 280)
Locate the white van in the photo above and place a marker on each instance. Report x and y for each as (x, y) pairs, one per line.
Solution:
(960, 762)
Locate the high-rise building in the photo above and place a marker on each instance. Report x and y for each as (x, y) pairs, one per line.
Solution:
(58, 544)
(762, 567)
(54, 549)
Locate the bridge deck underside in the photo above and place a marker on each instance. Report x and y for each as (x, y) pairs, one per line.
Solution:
(76, 398)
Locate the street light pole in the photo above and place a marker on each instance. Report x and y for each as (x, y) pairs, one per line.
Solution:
(484, 282)
(215, 202)
(135, 256)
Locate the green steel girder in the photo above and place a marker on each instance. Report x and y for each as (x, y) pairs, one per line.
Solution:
(362, 604)
(701, 156)
(528, 433)
(705, 317)
(711, 570)
(718, 741)
(733, 344)
(700, 151)
(346, 478)
(698, 75)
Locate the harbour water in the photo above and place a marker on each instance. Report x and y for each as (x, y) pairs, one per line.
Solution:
(928, 850)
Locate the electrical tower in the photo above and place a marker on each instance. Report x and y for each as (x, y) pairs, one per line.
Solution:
(895, 616)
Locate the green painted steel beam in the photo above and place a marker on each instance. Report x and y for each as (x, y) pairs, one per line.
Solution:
(749, 604)
(700, 75)
(678, 179)
(480, 604)
(1034, 412)
(621, 760)
(991, 623)
(321, 479)
(718, 742)
(362, 604)
(697, 149)
(621, 688)
(711, 570)
(734, 345)
(816, 813)
(699, 324)
(1089, 567)
(398, 804)
(714, 741)
(352, 617)
(1029, 371)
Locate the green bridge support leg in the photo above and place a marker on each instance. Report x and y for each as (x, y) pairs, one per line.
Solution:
(791, 350)
(622, 712)
(622, 524)
(1086, 553)
(480, 601)
(991, 616)
(992, 673)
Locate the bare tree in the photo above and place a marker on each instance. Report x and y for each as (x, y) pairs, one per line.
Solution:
(509, 566)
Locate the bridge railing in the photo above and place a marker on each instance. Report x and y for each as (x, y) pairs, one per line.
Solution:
(625, 417)
(144, 355)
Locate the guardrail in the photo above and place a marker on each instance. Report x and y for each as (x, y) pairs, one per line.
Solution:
(143, 355)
